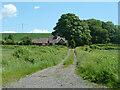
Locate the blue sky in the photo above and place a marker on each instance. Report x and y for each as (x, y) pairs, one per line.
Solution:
(41, 17)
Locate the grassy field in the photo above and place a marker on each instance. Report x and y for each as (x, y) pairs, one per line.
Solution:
(18, 36)
(70, 59)
(99, 66)
(19, 61)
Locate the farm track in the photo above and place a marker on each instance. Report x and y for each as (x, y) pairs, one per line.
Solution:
(54, 77)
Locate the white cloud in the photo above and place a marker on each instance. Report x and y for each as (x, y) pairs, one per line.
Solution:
(8, 32)
(9, 10)
(39, 31)
(36, 7)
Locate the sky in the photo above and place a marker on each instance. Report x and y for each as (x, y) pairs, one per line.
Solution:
(41, 17)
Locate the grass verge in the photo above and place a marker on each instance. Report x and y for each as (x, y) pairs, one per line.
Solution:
(17, 62)
(99, 66)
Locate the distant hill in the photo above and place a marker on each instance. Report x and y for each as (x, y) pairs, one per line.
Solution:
(18, 36)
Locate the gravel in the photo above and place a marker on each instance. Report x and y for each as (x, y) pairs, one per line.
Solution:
(54, 77)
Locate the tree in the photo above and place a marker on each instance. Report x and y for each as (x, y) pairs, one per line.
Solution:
(26, 40)
(71, 27)
(10, 37)
(111, 29)
(98, 33)
(116, 36)
(9, 40)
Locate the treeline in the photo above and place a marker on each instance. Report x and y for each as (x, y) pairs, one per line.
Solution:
(9, 40)
(86, 31)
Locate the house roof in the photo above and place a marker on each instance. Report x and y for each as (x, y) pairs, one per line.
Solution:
(41, 40)
(52, 40)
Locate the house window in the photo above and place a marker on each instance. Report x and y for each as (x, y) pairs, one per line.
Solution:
(53, 43)
(43, 44)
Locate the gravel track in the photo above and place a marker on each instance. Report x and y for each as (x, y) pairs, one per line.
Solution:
(54, 77)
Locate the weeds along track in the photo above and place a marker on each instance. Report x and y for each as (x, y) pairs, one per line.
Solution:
(54, 77)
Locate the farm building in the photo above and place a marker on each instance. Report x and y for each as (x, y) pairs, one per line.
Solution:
(52, 40)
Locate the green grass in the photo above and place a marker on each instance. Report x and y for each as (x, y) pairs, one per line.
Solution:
(99, 66)
(19, 61)
(70, 59)
(18, 36)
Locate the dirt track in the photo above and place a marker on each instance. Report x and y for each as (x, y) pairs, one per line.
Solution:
(54, 77)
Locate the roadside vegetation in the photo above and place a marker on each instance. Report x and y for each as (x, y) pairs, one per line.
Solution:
(98, 64)
(19, 61)
(70, 59)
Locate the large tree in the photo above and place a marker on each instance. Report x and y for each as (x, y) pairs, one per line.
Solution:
(111, 29)
(98, 33)
(116, 36)
(71, 27)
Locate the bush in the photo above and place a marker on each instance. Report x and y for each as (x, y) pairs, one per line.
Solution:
(24, 54)
(26, 41)
(2, 42)
(10, 42)
(94, 46)
(86, 48)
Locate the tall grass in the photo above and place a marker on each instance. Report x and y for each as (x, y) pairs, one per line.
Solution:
(23, 60)
(70, 59)
(100, 66)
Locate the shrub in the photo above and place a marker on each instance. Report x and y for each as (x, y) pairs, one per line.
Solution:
(86, 48)
(94, 46)
(26, 41)
(10, 42)
(24, 54)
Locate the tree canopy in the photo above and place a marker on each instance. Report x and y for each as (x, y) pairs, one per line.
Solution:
(71, 27)
(98, 33)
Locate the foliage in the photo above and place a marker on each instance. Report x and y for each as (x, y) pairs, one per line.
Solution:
(72, 43)
(99, 66)
(10, 36)
(71, 27)
(26, 40)
(116, 34)
(94, 46)
(2, 41)
(70, 59)
(99, 34)
(9, 40)
(18, 36)
(17, 60)
(110, 27)
(105, 46)
(23, 53)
